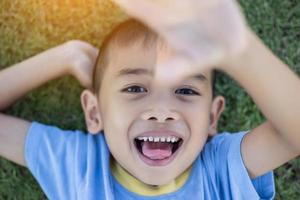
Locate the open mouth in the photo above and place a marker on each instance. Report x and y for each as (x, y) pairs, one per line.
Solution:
(157, 151)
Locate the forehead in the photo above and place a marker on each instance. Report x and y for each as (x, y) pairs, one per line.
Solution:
(132, 55)
(138, 59)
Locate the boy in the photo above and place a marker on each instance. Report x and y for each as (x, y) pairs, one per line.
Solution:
(155, 129)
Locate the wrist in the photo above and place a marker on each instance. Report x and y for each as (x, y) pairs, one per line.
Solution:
(243, 56)
(60, 60)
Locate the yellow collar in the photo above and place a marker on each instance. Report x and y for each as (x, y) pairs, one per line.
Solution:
(134, 185)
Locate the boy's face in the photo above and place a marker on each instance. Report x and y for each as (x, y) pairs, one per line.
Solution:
(139, 101)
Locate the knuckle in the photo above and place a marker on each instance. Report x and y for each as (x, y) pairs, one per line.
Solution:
(74, 44)
(82, 61)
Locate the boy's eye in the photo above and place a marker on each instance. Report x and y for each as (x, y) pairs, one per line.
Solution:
(187, 91)
(134, 89)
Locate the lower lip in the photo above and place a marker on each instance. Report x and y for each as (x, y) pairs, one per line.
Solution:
(161, 162)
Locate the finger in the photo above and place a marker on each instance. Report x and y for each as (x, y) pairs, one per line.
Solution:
(88, 48)
(85, 47)
(91, 51)
(142, 9)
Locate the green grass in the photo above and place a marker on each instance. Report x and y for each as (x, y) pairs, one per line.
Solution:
(31, 26)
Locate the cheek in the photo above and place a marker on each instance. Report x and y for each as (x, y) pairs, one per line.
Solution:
(118, 115)
(199, 126)
(198, 119)
(197, 113)
(116, 122)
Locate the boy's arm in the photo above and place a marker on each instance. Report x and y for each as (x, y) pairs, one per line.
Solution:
(276, 90)
(74, 57)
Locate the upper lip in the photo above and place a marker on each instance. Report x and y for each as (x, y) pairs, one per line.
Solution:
(160, 133)
(153, 129)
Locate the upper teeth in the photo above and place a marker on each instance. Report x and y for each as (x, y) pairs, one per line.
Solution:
(159, 139)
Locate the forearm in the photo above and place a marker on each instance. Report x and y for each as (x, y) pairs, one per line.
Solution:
(17, 80)
(74, 57)
(272, 85)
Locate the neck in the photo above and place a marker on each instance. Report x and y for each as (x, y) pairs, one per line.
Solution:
(134, 185)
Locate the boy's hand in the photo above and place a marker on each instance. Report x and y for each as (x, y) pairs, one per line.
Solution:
(200, 32)
(81, 57)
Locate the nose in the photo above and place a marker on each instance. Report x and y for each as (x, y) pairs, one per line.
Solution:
(161, 115)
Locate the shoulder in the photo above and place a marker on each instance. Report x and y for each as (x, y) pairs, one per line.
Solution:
(220, 147)
(47, 140)
(223, 141)
(63, 157)
(39, 131)
(223, 159)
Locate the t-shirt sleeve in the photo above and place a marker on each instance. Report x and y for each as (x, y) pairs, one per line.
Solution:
(232, 175)
(52, 156)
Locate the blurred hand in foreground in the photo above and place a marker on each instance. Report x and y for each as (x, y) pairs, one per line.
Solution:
(201, 33)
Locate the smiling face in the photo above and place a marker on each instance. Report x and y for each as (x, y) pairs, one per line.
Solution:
(156, 120)
(154, 126)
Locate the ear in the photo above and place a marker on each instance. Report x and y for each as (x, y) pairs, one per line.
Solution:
(218, 105)
(91, 110)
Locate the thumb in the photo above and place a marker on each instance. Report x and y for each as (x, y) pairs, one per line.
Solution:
(144, 10)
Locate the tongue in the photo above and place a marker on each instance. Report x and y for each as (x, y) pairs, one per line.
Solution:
(157, 150)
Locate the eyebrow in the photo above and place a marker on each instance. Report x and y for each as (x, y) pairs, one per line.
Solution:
(142, 71)
(199, 77)
(135, 71)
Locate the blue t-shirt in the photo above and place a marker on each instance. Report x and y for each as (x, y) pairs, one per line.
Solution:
(73, 165)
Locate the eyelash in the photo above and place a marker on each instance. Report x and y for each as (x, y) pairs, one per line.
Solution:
(133, 87)
(190, 91)
(185, 91)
